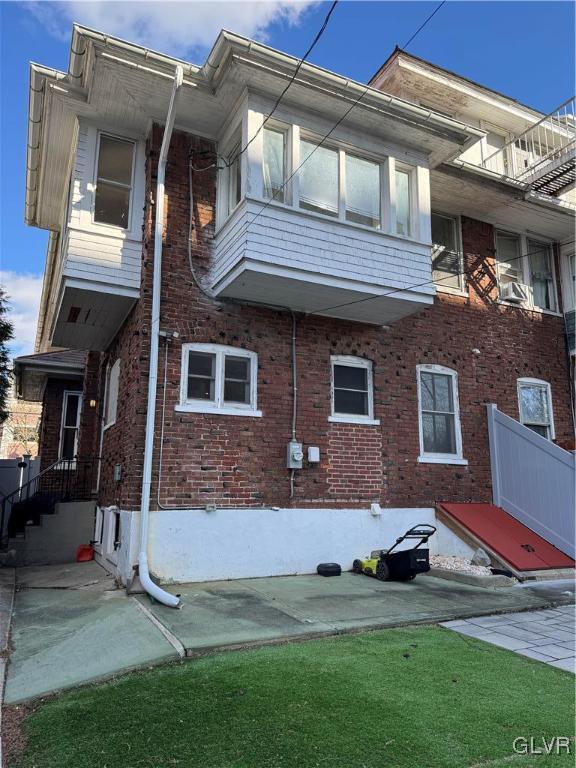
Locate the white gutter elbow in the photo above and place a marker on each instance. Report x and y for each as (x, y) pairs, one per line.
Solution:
(143, 571)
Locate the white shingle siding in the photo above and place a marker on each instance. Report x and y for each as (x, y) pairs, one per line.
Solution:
(287, 238)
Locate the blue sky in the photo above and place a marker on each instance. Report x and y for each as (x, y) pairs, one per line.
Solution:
(524, 49)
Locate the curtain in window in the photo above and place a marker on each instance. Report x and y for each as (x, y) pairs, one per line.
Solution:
(274, 164)
(318, 179)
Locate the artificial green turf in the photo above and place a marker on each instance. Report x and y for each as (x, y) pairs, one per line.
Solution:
(400, 698)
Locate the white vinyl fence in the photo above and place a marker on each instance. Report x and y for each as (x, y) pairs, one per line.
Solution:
(533, 480)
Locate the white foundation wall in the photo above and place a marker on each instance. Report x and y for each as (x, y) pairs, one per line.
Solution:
(196, 545)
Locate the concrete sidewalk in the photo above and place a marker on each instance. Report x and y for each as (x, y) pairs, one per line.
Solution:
(72, 626)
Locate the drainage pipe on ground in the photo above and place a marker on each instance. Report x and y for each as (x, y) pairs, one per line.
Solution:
(151, 588)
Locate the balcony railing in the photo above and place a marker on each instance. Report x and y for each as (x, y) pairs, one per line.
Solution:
(542, 156)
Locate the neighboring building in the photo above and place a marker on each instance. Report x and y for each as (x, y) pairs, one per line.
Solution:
(19, 433)
(405, 271)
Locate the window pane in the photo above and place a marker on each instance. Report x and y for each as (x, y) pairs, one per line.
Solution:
(439, 433)
(112, 205)
(201, 367)
(115, 160)
(68, 443)
(71, 415)
(539, 429)
(234, 177)
(362, 191)
(402, 203)
(540, 261)
(237, 379)
(349, 402)
(508, 258)
(201, 364)
(436, 392)
(349, 377)
(534, 405)
(274, 164)
(446, 260)
(318, 179)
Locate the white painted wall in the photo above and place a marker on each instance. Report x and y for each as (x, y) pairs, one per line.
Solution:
(195, 545)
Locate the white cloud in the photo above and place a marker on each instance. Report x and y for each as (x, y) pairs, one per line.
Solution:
(23, 298)
(179, 28)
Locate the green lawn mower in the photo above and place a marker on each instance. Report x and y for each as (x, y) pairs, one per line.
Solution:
(403, 565)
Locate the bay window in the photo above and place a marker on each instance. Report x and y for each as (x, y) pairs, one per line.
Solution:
(447, 271)
(218, 379)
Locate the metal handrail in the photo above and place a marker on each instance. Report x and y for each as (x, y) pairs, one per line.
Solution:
(71, 480)
(562, 126)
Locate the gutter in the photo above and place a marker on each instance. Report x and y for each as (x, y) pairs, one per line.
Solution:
(151, 588)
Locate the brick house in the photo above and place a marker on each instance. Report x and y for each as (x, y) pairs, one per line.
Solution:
(306, 374)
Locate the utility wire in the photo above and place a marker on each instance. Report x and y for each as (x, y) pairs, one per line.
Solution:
(421, 27)
(462, 273)
(231, 161)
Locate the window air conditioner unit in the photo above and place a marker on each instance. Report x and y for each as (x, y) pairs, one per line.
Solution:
(515, 292)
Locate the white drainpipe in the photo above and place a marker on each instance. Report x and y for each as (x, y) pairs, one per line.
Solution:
(151, 588)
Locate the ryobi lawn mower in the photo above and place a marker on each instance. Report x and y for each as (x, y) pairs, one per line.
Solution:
(403, 565)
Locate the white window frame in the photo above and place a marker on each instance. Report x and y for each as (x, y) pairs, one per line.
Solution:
(218, 406)
(524, 268)
(442, 287)
(410, 170)
(351, 418)
(111, 394)
(545, 385)
(105, 224)
(68, 463)
(427, 457)
(285, 131)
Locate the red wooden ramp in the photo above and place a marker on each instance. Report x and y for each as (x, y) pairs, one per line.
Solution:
(516, 544)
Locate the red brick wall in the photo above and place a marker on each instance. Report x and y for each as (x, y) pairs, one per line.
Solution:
(230, 460)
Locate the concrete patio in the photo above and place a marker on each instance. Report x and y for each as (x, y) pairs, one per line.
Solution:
(71, 625)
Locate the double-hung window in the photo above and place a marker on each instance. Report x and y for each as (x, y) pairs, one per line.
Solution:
(439, 415)
(520, 259)
(535, 406)
(352, 390)
(447, 271)
(114, 181)
(218, 379)
(362, 191)
(541, 274)
(70, 425)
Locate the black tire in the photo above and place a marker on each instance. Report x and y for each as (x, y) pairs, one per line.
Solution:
(357, 566)
(382, 572)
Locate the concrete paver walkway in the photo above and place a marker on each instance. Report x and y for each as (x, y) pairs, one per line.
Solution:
(71, 625)
(547, 635)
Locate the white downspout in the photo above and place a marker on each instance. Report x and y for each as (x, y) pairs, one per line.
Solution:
(151, 588)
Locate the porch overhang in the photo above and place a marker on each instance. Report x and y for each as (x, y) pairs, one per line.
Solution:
(31, 372)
